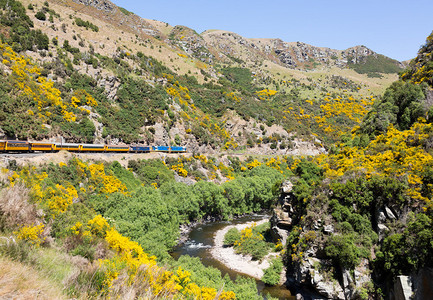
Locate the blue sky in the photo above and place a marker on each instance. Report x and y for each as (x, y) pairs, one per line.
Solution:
(394, 28)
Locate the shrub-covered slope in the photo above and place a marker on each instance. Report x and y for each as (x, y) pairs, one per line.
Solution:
(109, 228)
(362, 214)
(84, 79)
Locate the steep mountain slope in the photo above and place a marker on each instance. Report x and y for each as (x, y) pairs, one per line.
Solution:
(362, 215)
(292, 55)
(156, 83)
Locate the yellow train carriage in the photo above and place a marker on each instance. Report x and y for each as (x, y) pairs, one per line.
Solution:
(20, 146)
(92, 148)
(116, 148)
(40, 146)
(67, 147)
(2, 146)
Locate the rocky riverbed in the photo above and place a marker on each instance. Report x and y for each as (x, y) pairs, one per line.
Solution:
(240, 263)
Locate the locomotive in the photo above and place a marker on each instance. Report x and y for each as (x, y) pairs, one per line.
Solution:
(24, 146)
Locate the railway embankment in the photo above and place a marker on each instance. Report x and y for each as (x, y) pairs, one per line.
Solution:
(64, 156)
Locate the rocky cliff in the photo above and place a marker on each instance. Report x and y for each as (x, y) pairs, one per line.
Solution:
(315, 271)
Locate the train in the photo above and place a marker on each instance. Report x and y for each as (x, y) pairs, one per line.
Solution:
(25, 146)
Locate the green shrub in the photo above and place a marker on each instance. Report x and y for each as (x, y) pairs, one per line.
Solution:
(253, 242)
(40, 15)
(343, 251)
(19, 251)
(406, 252)
(80, 22)
(125, 11)
(401, 106)
(271, 275)
(231, 237)
(85, 250)
(244, 288)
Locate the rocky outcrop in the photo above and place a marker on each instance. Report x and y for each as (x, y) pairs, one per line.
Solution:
(191, 42)
(110, 84)
(289, 54)
(402, 288)
(309, 275)
(299, 54)
(98, 4)
(281, 222)
(417, 286)
(316, 274)
(314, 270)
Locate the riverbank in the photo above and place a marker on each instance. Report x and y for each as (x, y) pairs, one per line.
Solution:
(240, 263)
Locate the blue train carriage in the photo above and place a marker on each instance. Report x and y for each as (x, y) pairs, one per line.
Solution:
(140, 149)
(161, 148)
(177, 149)
(67, 146)
(117, 148)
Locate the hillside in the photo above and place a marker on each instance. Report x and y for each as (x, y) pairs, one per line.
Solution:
(362, 214)
(155, 83)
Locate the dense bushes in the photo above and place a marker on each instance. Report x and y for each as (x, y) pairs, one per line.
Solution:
(21, 36)
(151, 171)
(401, 106)
(151, 215)
(244, 288)
(410, 250)
(73, 194)
(272, 274)
(145, 217)
(344, 252)
(370, 203)
(252, 241)
(80, 22)
(420, 68)
(232, 236)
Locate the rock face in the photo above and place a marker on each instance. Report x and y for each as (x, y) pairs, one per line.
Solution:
(289, 54)
(418, 286)
(111, 85)
(314, 269)
(310, 273)
(281, 222)
(402, 288)
(101, 5)
(191, 42)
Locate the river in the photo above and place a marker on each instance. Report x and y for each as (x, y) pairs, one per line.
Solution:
(201, 240)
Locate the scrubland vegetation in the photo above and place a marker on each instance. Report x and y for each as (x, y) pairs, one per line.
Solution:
(55, 98)
(123, 223)
(384, 163)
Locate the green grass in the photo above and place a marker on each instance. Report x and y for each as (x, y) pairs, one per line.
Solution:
(55, 265)
(125, 11)
(376, 64)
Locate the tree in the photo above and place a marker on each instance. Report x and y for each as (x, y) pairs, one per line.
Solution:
(402, 105)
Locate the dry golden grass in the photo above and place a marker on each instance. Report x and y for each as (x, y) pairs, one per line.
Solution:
(18, 281)
(163, 27)
(15, 208)
(115, 31)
